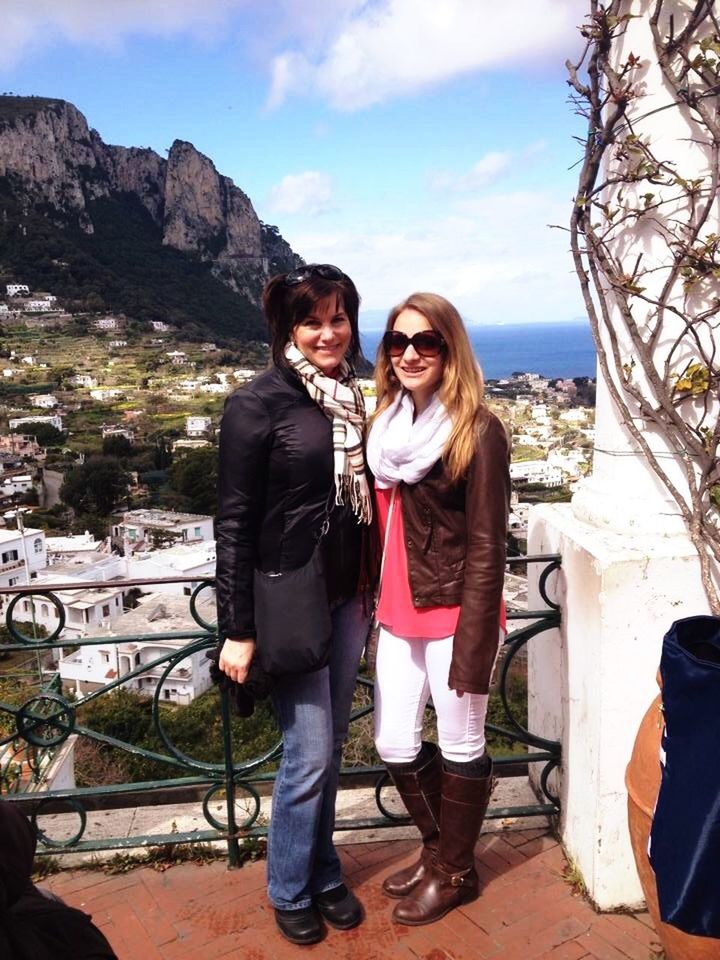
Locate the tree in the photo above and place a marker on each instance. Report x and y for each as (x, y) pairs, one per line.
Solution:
(45, 433)
(62, 374)
(117, 445)
(646, 244)
(194, 476)
(96, 486)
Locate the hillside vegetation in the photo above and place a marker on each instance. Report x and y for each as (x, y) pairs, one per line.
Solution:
(122, 267)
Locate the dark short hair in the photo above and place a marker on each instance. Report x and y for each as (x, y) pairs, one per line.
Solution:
(286, 305)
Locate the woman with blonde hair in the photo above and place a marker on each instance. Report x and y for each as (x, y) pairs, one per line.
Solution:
(440, 459)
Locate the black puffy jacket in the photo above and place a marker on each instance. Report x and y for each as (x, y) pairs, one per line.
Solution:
(275, 477)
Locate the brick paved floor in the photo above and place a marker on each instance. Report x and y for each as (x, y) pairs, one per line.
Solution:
(527, 911)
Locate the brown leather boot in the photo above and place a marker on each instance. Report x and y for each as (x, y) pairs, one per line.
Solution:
(420, 792)
(452, 880)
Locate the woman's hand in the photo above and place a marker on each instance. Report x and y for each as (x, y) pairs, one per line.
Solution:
(236, 657)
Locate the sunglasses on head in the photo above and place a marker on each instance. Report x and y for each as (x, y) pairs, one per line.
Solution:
(426, 343)
(324, 270)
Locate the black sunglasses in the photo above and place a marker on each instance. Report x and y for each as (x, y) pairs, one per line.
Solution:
(426, 343)
(324, 270)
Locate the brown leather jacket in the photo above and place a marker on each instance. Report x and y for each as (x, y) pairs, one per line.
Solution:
(455, 538)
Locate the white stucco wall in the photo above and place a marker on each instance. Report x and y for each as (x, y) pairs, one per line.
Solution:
(592, 680)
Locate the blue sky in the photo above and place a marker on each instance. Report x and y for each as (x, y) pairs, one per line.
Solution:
(418, 144)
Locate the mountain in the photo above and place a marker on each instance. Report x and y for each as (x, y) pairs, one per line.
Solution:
(124, 229)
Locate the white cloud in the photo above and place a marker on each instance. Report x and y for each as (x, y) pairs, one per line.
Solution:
(487, 170)
(309, 193)
(396, 47)
(494, 257)
(32, 26)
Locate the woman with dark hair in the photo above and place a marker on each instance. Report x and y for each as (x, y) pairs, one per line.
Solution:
(440, 461)
(292, 470)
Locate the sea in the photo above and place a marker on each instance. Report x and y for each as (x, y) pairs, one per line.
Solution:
(550, 349)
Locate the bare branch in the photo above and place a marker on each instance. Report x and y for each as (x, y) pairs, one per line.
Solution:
(671, 378)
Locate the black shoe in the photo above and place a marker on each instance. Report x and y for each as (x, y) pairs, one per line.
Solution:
(340, 907)
(299, 926)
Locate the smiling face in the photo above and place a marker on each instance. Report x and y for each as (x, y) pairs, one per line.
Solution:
(421, 376)
(324, 335)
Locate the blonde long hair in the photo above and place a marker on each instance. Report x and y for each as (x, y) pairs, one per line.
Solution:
(462, 388)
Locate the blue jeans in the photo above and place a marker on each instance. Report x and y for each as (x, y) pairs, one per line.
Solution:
(313, 713)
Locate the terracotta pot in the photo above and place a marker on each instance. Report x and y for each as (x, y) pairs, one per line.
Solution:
(642, 780)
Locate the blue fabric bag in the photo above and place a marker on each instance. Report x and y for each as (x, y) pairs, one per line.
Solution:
(684, 844)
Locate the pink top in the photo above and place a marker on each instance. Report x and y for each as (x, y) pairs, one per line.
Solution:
(395, 608)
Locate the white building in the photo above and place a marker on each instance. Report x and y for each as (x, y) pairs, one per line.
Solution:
(22, 556)
(118, 343)
(55, 420)
(86, 611)
(196, 561)
(17, 289)
(105, 394)
(13, 485)
(534, 381)
(518, 519)
(187, 444)
(536, 471)
(190, 385)
(106, 323)
(178, 357)
(4, 308)
(45, 401)
(141, 529)
(540, 415)
(84, 380)
(114, 431)
(576, 415)
(64, 549)
(158, 326)
(197, 426)
(92, 667)
(39, 306)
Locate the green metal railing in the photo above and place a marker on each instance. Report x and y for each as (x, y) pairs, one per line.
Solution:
(37, 728)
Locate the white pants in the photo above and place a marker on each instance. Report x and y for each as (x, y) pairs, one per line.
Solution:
(408, 672)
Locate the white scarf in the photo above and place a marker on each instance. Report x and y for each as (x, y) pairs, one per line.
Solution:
(403, 449)
(342, 403)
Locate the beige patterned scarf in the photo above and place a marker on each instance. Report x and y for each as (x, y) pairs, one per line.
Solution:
(342, 403)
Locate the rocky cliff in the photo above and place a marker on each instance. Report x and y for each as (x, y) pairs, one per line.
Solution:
(52, 160)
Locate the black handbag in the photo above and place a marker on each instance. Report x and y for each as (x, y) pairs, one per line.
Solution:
(292, 615)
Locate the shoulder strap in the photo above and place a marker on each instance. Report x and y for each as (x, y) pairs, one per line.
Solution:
(387, 534)
(329, 504)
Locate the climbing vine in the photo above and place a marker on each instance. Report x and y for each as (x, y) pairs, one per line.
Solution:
(645, 238)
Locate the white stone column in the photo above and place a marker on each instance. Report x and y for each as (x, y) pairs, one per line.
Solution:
(628, 571)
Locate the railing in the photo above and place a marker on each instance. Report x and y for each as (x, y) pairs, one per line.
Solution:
(41, 724)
